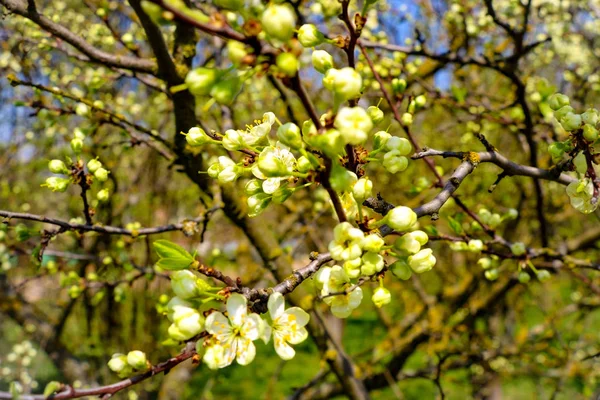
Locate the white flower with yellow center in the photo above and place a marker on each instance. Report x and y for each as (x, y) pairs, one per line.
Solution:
(234, 334)
(275, 163)
(287, 326)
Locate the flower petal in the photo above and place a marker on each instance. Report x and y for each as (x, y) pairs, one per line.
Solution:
(266, 335)
(276, 305)
(301, 317)
(218, 325)
(252, 328)
(284, 350)
(298, 335)
(270, 185)
(237, 309)
(246, 351)
(355, 298)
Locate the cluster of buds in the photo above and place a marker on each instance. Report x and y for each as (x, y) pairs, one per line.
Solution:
(125, 365)
(220, 85)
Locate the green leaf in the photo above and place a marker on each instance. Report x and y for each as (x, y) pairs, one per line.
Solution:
(167, 249)
(174, 263)
(455, 226)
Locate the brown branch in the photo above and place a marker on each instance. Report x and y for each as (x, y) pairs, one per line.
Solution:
(120, 61)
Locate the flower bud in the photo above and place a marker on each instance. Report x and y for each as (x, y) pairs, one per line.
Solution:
(372, 242)
(257, 203)
(380, 139)
(77, 145)
(524, 277)
(57, 167)
(590, 117)
(393, 162)
(271, 165)
(420, 237)
(401, 218)
(485, 262)
(518, 248)
(406, 119)
(372, 263)
(281, 195)
(184, 284)
(289, 134)
(381, 297)
(236, 51)
(118, 363)
(422, 261)
(331, 143)
(511, 214)
(322, 61)
(201, 80)
(93, 165)
(557, 101)
(188, 324)
(401, 144)
(197, 137)
(590, 133)
(303, 164)
(491, 274)
(103, 195)
(279, 21)
(345, 83)
(375, 114)
(309, 36)
(362, 189)
(543, 275)
(398, 85)
(225, 91)
(137, 360)
(420, 101)
(287, 63)
(82, 110)
(475, 245)
(341, 179)
(352, 268)
(101, 174)
(556, 150)
(407, 245)
(253, 186)
(560, 113)
(57, 184)
(354, 124)
(401, 269)
(571, 121)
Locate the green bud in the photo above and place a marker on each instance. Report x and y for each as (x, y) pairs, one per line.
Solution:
(590, 133)
(94, 165)
(381, 297)
(398, 85)
(184, 284)
(407, 245)
(258, 203)
(253, 186)
(341, 179)
(401, 144)
(375, 114)
(491, 274)
(331, 143)
(118, 364)
(303, 164)
(590, 117)
(422, 261)
(137, 360)
(287, 63)
(543, 275)
(197, 137)
(57, 184)
(236, 50)
(352, 267)
(362, 189)
(82, 110)
(101, 174)
(485, 263)
(201, 80)
(225, 91)
(571, 121)
(309, 36)
(345, 83)
(406, 119)
(560, 113)
(556, 150)
(354, 124)
(322, 61)
(475, 245)
(281, 195)
(77, 145)
(372, 263)
(380, 139)
(557, 101)
(518, 248)
(401, 218)
(401, 269)
(289, 134)
(57, 167)
(524, 277)
(279, 21)
(103, 195)
(393, 162)
(420, 101)
(372, 242)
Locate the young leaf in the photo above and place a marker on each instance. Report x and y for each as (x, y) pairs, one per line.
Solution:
(455, 226)
(174, 263)
(167, 249)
